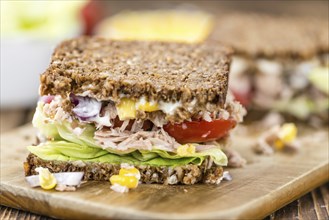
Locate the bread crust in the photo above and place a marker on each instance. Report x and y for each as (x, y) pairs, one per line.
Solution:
(188, 174)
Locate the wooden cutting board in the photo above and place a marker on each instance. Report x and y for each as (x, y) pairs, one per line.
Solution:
(263, 186)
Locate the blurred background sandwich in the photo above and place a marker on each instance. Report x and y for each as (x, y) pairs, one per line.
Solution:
(280, 63)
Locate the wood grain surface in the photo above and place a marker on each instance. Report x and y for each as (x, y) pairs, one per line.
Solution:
(313, 205)
(263, 186)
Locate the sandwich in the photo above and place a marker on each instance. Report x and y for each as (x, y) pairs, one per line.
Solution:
(160, 107)
(280, 63)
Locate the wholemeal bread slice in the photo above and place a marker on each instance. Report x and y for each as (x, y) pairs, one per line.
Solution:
(107, 70)
(207, 172)
(272, 36)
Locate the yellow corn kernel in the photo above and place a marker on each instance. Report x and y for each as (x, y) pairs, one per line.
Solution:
(127, 181)
(148, 106)
(186, 150)
(126, 109)
(288, 132)
(278, 144)
(47, 179)
(129, 172)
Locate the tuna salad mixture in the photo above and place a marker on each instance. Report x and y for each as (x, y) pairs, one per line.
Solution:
(131, 132)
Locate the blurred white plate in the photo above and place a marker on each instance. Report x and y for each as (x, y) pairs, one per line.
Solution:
(22, 62)
(29, 33)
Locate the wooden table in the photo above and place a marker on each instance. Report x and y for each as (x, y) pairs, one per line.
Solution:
(313, 205)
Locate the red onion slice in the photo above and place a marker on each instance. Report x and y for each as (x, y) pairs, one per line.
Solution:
(227, 176)
(69, 178)
(86, 107)
(64, 178)
(47, 98)
(33, 180)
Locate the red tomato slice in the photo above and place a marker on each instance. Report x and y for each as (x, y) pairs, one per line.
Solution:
(243, 98)
(199, 131)
(92, 13)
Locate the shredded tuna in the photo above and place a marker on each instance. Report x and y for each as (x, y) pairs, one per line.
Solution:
(111, 109)
(206, 116)
(137, 126)
(124, 125)
(55, 111)
(142, 140)
(234, 158)
(158, 118)
(234, 109)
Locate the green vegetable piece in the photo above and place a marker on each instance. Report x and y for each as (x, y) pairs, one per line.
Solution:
(319, 77)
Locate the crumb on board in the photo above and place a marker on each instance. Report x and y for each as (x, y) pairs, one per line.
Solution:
(62, 187)
(235, 160)
(278, 138)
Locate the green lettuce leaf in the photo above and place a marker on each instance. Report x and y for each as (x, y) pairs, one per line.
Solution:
(44, 124)
(302, 107)
(66, 151)
(319, 77)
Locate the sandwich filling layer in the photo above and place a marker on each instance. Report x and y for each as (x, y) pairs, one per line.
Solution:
(132, 131)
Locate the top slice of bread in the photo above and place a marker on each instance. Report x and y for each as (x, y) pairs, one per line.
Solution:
(107, 70)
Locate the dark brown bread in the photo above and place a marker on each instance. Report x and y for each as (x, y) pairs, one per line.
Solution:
(157, 70)
(260, 35)
(188, 174)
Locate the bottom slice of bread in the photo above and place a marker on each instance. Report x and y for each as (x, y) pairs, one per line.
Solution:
(207, 172)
